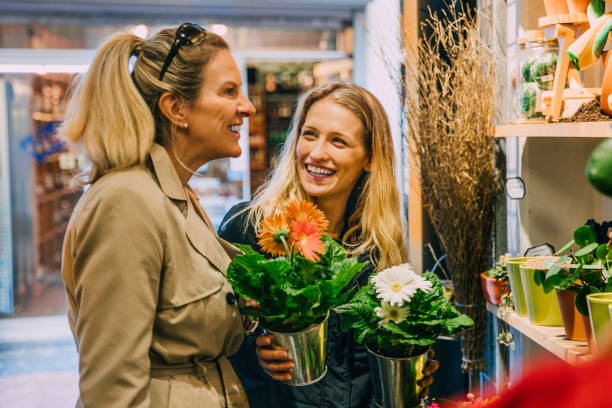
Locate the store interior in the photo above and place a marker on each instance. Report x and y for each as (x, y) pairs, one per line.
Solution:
(283, 50)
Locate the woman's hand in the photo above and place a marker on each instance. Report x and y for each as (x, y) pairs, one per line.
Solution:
(273, 359)
(431, 366)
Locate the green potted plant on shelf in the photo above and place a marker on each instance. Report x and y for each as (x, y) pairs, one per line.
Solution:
(495, 281)
(577, 274)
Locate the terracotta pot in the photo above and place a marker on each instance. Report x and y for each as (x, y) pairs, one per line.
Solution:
(577, 6)
(572, 319)
(586, 323)
(555, 7)
(493, 288)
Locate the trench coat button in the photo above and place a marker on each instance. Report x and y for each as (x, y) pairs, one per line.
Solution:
(230, 298)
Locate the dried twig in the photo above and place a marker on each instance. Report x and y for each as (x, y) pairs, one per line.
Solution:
(450, 104)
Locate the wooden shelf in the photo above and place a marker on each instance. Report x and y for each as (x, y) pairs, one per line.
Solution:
(49, 197)
(568, 129)
(549, 337)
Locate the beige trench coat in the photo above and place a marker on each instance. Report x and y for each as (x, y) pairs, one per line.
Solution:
(151, 311)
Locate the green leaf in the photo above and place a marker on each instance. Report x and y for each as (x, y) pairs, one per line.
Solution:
(587, 249)
(585, 235)
(604, 253)
(581, 299)
(565, 248)
(551, 283)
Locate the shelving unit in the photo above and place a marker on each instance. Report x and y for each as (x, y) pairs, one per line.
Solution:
(279, 109)
(54, 190)
(565, 129)
(550, 338)
(257, 137)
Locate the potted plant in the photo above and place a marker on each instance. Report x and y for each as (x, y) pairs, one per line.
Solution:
(295, 290)
(577, 274)
(495, 281)
(398, 316)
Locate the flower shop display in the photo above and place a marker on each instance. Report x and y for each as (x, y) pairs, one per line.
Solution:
(495, 281)
(295, 290)
(577, 274)
(398, 316)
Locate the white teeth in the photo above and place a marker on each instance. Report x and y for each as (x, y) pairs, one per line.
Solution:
(319, 170)
(235, 128)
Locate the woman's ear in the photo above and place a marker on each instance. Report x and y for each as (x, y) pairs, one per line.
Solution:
(172, 107)
(367, 166)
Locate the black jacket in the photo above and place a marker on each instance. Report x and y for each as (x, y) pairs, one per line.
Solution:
(347, 382)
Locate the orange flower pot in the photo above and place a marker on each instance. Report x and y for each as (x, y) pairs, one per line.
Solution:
(578, 6)
(572, 319)
(556, 7)
(493, 288)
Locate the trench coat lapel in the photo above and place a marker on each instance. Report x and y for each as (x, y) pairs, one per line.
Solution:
(199, 230)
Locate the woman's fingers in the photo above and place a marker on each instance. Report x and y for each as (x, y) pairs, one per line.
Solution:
(273, 359)
(431, 366)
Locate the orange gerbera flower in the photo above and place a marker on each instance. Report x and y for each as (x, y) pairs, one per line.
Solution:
(307, 239)
(305, 210)
(270, 237)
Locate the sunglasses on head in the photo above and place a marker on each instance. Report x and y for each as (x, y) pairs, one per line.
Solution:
(185, 35)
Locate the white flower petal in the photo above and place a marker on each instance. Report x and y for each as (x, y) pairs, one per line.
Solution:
(398, 284)
(392, 313)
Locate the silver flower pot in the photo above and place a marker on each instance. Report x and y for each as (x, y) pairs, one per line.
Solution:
(307, 349)
(394, 380)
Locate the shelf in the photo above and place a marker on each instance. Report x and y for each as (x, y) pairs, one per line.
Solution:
(549, 337)
(54, 195)
(53, 234)
(569, 129)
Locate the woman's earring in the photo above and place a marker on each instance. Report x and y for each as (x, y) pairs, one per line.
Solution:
(185, 125)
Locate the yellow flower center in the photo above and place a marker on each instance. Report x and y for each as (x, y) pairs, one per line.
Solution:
(396, 287)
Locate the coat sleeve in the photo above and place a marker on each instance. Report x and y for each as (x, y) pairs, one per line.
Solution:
(118, 257)
(244, 361)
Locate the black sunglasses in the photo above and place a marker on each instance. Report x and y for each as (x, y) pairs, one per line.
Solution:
(185, 35)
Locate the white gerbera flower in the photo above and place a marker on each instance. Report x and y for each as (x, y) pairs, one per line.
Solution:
(398, 284)
(388, 312)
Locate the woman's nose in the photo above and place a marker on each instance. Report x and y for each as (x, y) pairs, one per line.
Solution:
(246, 107)
(319, 150)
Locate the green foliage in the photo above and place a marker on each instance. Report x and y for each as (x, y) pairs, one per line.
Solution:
(543, 70)
(499, 270)
(430, 315)
(292, 295)
(585, 271)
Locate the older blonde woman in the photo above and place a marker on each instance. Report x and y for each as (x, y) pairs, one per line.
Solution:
(152, 313)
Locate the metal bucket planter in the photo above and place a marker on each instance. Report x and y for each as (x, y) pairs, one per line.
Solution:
(307, 349)
(394, 380)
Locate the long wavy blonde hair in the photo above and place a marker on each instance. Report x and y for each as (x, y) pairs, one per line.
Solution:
(113, 114)
(373, 223)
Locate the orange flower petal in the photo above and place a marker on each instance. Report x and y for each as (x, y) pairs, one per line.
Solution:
(305, 210)
(272, 228)
(307, 239)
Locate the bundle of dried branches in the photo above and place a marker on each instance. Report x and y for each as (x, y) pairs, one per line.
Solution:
(450, 103)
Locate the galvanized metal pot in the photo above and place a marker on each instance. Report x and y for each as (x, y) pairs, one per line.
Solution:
(394, 380)
(307, 348)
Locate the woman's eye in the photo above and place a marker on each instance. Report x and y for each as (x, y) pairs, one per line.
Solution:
(230, 91)
(340, 141)
(308, 134)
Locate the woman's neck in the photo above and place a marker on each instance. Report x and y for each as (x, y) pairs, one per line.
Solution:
(334, 212)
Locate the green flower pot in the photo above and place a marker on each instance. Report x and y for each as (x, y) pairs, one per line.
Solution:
(599, 314)
(542, 309)
(516, 285)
